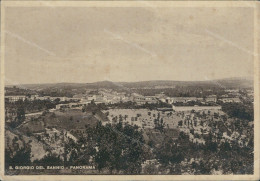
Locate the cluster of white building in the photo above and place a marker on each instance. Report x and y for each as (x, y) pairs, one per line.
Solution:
(37, 97)
(15, 98)
(235, 96)
(230, 100)
(162, 97)
(108, 96)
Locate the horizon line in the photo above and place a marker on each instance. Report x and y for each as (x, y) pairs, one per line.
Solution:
(246, 77)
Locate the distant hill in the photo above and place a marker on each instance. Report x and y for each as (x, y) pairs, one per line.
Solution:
(224, 83)
(105, 84)
(235, 82)
(53, 85)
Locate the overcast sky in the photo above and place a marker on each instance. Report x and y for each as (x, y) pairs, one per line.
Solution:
(84, 44)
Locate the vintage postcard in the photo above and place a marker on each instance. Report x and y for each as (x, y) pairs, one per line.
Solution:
(129, 90)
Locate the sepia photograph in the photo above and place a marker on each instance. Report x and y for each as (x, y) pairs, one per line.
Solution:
(147, 88)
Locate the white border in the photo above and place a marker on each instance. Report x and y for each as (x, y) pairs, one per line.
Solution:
(253, 4)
